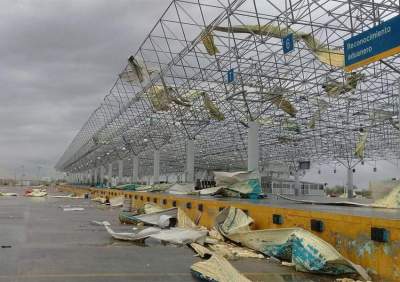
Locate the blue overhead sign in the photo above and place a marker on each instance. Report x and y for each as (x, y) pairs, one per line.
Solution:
(372, 45)
(288, 43)
(231, 75)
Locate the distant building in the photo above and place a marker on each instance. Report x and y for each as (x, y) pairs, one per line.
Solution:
(281, 186)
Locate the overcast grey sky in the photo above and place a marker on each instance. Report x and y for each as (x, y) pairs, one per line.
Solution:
(59, 58)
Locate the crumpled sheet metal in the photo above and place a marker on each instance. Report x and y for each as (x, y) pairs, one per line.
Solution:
(130, 236)
(154, 217)
(307, 251)
(224, 178)
(360, 147)
(117, 201)
(282, 103)
(322, 106)
(332, 57)
(36, 193)
(153, 188)
(212, 108)
(180, 236)
(391, 200)
(8, 194)
(100, 200)
(233, 252)
(212, 191)
(236, 184)
(151, 208)
(335, 88)
(182, 189)
(208, 41)
(218, 269)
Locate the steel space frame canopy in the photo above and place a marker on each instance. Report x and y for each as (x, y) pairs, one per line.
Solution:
(306, 105)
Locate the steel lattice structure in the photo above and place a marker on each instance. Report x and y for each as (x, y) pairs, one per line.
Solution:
(173, 55)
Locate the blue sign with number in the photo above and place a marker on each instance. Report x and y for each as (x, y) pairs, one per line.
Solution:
(288, 43)
(373, 44)
(231, 75)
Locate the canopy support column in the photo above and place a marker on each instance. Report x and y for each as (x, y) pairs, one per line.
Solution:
(135, 170)
(253, 153)
(156, 167)
(190, 161)
(349, 183)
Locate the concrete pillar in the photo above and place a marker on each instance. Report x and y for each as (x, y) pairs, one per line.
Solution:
(349, 183)
(95, 176)
(109, 174)
(88, 177)
(102, 173)
(120, 171)
(135, 169)
(253, 153)
(297, 184)
(190, 161)
(156, 167)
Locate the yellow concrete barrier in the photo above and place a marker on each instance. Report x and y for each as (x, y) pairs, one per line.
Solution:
(349, 234)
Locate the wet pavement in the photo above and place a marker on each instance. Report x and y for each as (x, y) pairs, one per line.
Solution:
(40, 242)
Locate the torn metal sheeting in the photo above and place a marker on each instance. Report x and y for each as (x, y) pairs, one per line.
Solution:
(180, 236)
(100, 200)
(130, 236)
(36, 193)
(307, 251)
(66, 196)
(232, 252)
(330, 203)
(182, 189)
(8, 194)
(212, 191)
(73, 209)
(217, 269)
(202, 251)
(154, 218)
(117, 201)
(151, 208)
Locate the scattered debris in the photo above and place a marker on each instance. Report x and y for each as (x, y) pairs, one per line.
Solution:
(8, 194)
(73, 209)
(217, 269)
(182, 189)
(330, 56)
(129, 236)
(335, 88)
(154, 218)
(35, 192)
(202, 251)
(117, 201)
(308, 252)
(391, 200)
(71, 196)
(180, 236)
(360, 147)
(233, 252)
(330, 203)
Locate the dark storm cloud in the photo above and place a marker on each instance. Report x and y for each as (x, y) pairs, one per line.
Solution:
(58, 60)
